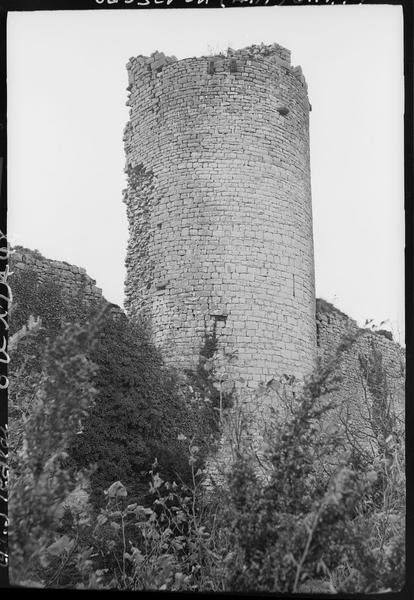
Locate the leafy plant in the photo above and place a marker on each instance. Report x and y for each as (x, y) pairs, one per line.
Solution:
(310, 524)
(164, 546)
(316, 510)
(140, 409)
(55, 403)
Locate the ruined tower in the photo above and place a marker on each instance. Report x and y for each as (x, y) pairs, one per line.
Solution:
(219, 209)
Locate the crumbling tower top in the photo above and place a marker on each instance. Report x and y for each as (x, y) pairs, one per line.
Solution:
(272, 52)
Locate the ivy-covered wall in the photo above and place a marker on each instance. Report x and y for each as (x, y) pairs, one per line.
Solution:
(143, 405)
(370, 366)
(71, 278)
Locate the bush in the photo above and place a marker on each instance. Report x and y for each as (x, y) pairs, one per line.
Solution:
(163, 546)
(140, 410)
(301, 528)
(54, 406)
(311, 524)
(310, 519)
(141, 405)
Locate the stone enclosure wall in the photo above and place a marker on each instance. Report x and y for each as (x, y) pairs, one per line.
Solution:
(71, 278)
(357, 415)
(363, 351)
(219, 209)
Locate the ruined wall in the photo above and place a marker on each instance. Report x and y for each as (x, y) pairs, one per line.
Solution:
(357, 406)
(73, 279)
(357, 414)
(219, 208)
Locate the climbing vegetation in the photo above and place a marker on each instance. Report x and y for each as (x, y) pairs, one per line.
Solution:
(94, 409)
(140, 404)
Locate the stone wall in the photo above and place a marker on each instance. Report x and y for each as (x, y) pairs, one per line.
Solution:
(357, 405)
(356, 413)
(219, 209)
(72, 279)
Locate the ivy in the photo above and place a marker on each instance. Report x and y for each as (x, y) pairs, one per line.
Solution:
(140, 407)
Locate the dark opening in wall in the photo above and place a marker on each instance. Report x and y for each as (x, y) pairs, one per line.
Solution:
(211, 68)
(318, 332)
(233, 66)
(294, 288)
(283, 110)
(161, 284)
(219, 318)
(159, 225)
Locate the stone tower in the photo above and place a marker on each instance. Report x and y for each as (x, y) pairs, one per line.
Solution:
(219, 209)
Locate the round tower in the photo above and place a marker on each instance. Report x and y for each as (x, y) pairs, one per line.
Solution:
(219, 209)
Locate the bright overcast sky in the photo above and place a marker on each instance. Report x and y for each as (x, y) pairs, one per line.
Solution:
(66, 114)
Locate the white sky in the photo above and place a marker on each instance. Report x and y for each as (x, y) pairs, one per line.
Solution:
(66, 113)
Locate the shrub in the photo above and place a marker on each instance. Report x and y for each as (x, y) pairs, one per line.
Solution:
(307, 520)
(140, 410)
(141, 406)
(54, 406)
(163, 546)
(305, 523)
(301, 528)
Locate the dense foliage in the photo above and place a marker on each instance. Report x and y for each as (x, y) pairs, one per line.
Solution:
(323, 513)
(140, 406)
(317, 525)
(301, 528)
(46, 411)
(139, 412)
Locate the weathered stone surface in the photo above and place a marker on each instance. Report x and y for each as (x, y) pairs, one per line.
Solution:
(354, 401)
(354, 415)
(71, 278)
(219, 204)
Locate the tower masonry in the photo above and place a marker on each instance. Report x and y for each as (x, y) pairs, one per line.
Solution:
(219, 208)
